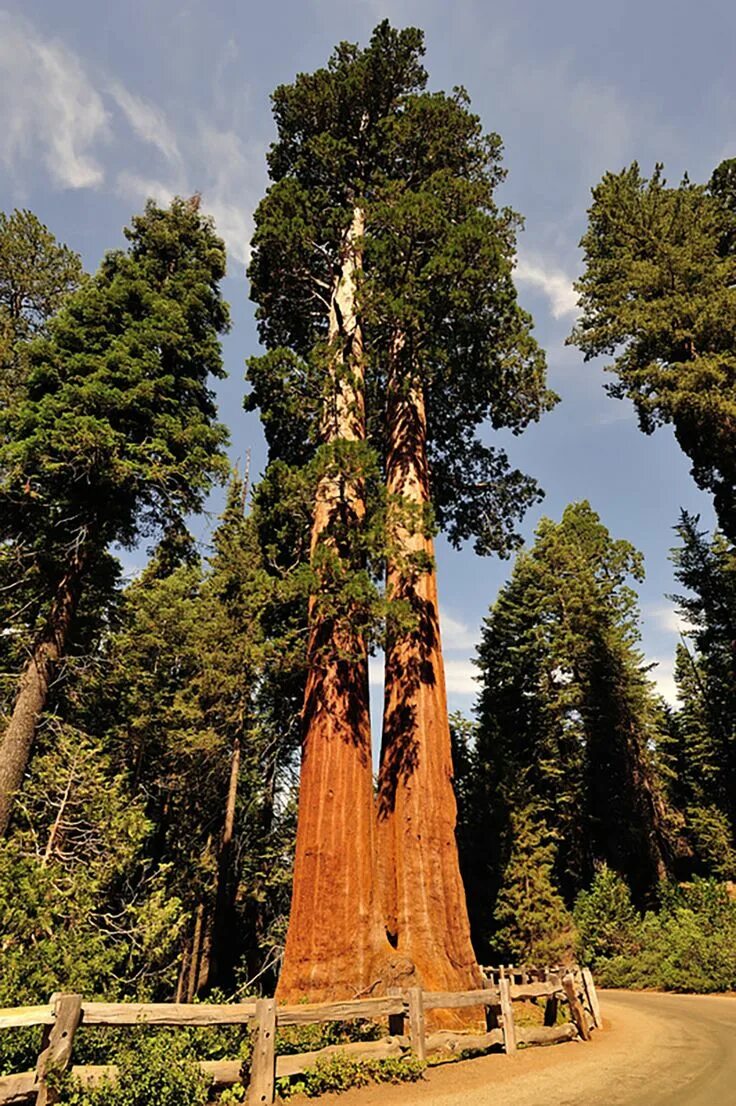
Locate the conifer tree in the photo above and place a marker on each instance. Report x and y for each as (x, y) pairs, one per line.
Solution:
(658, 294)
(382, 270)
(533, 924)
(701, 753)
(566, 714)
(37, 273)
(116, 432)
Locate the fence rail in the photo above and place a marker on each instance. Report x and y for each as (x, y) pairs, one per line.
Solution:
(65, 1013)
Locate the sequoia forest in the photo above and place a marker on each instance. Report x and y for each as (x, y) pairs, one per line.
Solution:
(199, 799)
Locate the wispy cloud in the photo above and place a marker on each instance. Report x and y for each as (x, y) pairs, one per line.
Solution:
(456, 634)
(551, 281)
(49, 106)
(667, 618)
(147, 121)
(53, 110)
(461, 677)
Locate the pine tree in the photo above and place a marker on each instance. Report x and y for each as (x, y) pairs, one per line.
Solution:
(115, 434)
(658, 293)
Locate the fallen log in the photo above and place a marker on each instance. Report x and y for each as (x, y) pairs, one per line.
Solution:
(545, 1034)
(448, 1040)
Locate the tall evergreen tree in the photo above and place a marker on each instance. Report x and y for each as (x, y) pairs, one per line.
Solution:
(659, 293)
(115, 434)
(701, 755)
(567, 716)
(383, 265)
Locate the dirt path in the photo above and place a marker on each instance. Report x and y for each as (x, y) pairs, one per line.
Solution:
(655, 1050)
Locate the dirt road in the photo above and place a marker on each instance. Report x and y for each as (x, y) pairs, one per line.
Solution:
(655, 1050)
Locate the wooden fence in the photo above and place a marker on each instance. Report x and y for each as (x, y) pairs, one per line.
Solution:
(65, 1013)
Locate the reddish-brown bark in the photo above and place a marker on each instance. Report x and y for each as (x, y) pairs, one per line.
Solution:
(33, 688)
(421, 886)
(336, 940)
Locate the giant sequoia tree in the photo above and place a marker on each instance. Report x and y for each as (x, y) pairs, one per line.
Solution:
(115, 433)
(659, 293)
(382, 270)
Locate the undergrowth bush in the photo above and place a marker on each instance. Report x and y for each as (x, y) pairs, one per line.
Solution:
(335, 1074)
(158, 1069)
(688, 944)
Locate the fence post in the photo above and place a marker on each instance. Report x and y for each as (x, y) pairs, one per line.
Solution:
(56, 1051)
(416, 1023)
(576, 1008)
(263, 1066)
(395, 1021)
(507, 1014)
(592, 996)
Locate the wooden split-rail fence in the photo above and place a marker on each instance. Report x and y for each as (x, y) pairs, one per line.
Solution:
(62, 1016)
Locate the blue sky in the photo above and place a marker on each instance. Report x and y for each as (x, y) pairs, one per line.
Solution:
(105, 104)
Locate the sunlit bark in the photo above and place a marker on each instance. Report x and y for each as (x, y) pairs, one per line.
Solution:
(336, 938)
(421, 886)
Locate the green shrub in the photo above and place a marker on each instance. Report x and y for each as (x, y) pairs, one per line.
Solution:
(309, 1038)
(157, 1070)
(689, 944)
(335, 1074)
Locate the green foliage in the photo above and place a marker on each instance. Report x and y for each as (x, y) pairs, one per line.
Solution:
(435, 265)
(157, 1068)
(567, 719)
(658, 292)
(687, 945)
(336, 1074)
(712, 835)
(36, 275)
(116, 433)
(701, 751)
(607, 921)
(534, 925)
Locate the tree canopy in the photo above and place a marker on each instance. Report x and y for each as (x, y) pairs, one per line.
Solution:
(659, 294)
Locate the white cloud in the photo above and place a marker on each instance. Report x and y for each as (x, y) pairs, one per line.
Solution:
(52, 110)
(663, 678)
(47, 103)
(236, 173)
(147, 120)
(461, 677)
(134, 187)
(457, 634)
(667, 618)
(551, 282)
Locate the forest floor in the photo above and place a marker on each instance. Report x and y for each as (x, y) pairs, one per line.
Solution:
(654, 1050)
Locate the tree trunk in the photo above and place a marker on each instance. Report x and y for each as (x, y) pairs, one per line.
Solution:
(335, 941)
(33, 688)
(224, 949)
(421, 887)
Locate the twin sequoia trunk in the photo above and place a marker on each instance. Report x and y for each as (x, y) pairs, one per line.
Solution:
(421, 886)
(336, 941)
(17, 741)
